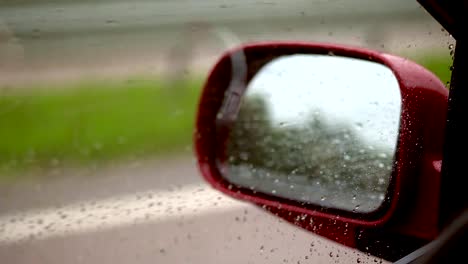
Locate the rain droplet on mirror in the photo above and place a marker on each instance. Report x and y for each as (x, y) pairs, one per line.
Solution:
(383, 155)
(356, 208)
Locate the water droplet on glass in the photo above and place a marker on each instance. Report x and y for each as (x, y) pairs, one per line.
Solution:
(54, 162)
(356, 208)
(36, 33)
(451, 46)
(121, 140)
(244, 155)
(323, 198)
(97, 146)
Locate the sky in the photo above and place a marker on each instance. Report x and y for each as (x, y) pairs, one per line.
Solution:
(361, 93)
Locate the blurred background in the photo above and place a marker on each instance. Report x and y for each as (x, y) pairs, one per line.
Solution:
(98, 100)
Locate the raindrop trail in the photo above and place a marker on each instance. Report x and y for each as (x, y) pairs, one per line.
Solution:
(115, 210)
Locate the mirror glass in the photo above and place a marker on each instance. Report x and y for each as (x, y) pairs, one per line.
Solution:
(317, 129)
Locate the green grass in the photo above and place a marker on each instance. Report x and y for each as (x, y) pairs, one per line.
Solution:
(94, 121)
(74, 124)
(439, 64)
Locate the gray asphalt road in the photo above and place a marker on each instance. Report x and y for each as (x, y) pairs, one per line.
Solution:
(117, 223)
(242, 236)
(64, 186)
(66, 39)
(58, 17)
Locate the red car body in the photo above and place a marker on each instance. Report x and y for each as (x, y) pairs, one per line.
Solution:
(411, 205)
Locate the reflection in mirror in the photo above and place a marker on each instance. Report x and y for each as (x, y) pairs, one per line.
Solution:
(317, 129)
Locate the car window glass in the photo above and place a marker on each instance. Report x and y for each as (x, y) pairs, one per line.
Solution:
(97, 108)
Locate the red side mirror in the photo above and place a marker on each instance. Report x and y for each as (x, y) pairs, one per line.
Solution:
(274, 128)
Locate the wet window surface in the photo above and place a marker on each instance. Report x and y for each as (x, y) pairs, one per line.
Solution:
(97, 108)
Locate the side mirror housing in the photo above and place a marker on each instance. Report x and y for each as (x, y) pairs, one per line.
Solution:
(342, 141)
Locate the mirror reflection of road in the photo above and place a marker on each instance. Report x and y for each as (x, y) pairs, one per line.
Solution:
(118, 218)
(309, 157)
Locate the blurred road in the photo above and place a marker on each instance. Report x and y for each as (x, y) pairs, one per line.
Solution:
(116, 216)
(72, 39)
(72, 17)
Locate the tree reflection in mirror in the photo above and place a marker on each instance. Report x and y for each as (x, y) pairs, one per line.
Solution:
(317, 129)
